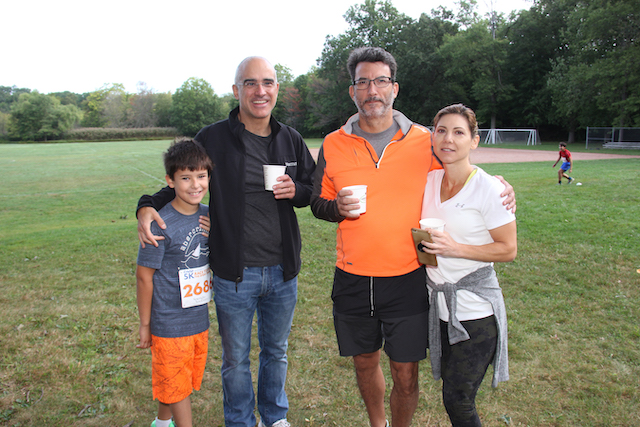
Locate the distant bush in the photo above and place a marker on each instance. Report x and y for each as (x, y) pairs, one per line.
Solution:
(102, 134)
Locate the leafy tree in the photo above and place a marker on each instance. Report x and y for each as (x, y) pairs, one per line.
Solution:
(141, 111)
(162, 109)
(4, 125)
(293, 107)
(534, 43)
(92, 108)
(105, 107)
(38, 117)
(475, 61)
(115, 106)
(467, 15)
(9, 95)
(228, 102)
(595, 81)
(424, 89)
(194, 105)
(300, 101)
(606, 33)
(284, 75)
(572, 91)
(69, 98)
(285, 80)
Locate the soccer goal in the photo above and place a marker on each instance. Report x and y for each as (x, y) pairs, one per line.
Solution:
(612, 137)
(509, 136)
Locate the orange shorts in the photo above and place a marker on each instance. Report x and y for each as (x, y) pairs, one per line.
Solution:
(177, 366)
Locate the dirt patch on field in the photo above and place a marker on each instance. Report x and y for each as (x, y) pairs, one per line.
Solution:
(507, 155)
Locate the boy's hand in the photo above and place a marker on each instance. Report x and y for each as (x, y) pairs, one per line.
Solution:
(146, 216)
(145, 337)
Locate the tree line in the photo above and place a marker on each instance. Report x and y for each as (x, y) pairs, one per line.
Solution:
(558, 67)
(32, 116)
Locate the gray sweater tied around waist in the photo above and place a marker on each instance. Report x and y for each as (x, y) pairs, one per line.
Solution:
(484, 283)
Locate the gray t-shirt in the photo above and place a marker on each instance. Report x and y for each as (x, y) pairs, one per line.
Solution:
(184, 246)
(379, 141)
(262, 235)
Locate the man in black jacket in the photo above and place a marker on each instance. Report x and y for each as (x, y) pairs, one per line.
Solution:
(254, 241)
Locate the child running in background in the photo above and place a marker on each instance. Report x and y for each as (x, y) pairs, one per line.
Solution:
(567, 165)
(174, 287)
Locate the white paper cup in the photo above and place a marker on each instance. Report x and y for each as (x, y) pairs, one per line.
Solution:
(432, 223)
(271, 174)
(359, 192)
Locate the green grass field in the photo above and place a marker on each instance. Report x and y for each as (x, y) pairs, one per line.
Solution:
(68, 327)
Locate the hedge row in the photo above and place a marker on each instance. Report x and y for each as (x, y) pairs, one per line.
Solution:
(100, 134)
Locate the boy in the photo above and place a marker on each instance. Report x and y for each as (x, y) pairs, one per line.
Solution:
(567, 165)
(174, 287)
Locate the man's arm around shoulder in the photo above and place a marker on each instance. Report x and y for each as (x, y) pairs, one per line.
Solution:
(147, 212)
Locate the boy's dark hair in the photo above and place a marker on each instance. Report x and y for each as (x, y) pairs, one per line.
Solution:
(371, 54)
(563, 144)
(186, 153)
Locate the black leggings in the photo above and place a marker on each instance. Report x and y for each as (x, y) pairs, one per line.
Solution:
(463, 367)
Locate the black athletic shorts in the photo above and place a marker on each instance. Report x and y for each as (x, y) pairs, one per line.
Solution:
(370, 310)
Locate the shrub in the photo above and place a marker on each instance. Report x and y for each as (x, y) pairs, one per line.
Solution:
(111, 134)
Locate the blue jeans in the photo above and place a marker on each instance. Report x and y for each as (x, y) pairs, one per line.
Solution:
(262, 290)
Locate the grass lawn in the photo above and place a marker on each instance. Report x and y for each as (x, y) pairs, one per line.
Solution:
(68, 328)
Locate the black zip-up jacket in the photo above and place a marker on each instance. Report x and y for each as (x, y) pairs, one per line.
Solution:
(223, 142)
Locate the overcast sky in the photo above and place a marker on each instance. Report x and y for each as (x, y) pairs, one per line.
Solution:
(53, 46)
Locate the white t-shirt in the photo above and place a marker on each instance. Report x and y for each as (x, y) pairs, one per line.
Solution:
(469, 215)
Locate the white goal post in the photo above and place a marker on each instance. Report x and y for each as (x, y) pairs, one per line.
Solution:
(613, 137)
(509, 136)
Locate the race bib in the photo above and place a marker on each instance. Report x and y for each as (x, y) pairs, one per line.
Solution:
(195, 286)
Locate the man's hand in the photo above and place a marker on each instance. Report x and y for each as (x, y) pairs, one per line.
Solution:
(205, 224)
(346, 204)
(146, 216)
(510, 200)
(285, 188)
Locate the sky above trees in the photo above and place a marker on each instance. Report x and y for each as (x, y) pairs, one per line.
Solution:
(79, 46)
(560, 66)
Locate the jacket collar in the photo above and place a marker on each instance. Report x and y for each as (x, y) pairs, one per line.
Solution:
(401, 119)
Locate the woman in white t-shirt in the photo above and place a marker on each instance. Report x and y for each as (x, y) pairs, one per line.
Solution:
(467, 320)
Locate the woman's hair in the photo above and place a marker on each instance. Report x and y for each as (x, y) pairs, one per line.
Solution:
(460, 109)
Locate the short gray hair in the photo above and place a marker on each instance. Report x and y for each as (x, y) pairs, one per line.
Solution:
(371, 54)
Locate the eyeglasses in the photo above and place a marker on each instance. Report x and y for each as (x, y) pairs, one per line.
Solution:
(253, 84)
(380, 82)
